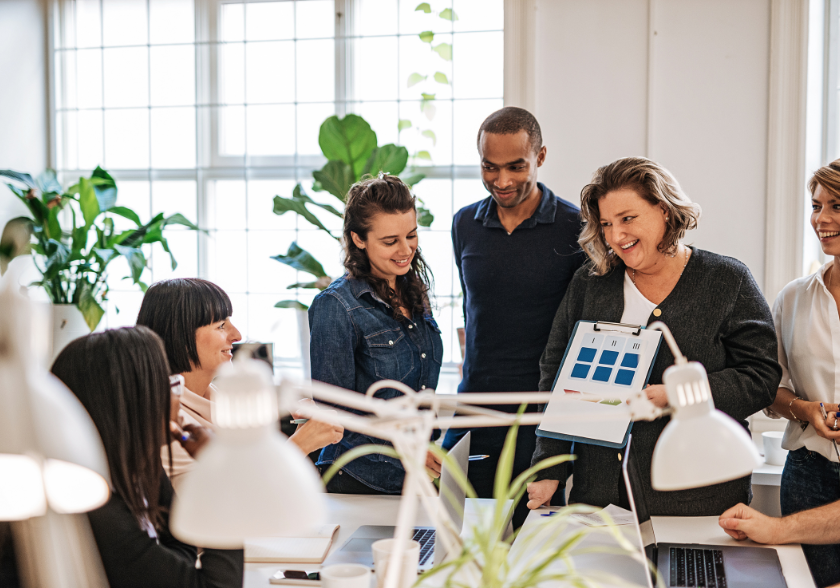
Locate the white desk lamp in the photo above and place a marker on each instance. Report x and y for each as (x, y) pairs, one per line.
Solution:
(402, 422)
(50, 451)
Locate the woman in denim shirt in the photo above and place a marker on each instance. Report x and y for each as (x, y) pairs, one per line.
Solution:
(375, 323)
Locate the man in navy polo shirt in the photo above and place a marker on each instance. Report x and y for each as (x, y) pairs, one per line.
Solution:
(516, 252)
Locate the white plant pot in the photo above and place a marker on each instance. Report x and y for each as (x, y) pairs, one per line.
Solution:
(68, 324)
(303, 335)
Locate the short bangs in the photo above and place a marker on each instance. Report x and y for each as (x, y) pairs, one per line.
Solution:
(175, 309)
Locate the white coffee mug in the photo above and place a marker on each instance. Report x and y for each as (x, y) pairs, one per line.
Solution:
(345, 576)
(382, 558)
(773, 452)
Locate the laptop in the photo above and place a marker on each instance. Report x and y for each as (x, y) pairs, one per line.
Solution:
(707, 566)
(358, 548)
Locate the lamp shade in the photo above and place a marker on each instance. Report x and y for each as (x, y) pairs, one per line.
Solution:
(50, 450)
(701, 445)
(249, 481)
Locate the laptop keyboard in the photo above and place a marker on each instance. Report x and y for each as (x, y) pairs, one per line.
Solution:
(697, 567)
(426, 539)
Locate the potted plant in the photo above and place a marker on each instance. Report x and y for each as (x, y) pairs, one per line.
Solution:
(73, 238)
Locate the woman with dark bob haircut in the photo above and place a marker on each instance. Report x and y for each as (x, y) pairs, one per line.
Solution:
(375, 323)
(192, 316)
(640, 271)
(122, 379)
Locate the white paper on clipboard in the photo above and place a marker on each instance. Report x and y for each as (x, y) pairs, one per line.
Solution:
(605, 363)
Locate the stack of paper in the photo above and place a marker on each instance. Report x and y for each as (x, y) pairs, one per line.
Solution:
(310, 549)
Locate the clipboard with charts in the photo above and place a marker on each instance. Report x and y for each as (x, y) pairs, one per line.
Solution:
(604, 364)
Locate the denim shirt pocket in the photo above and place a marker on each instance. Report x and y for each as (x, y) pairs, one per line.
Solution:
(392, 355)
(436, 339)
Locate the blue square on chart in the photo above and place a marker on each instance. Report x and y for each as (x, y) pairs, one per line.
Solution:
(630, 360)
(586, 354)
(602, 374)
(580, 371)
(624, 377)
(608, 357)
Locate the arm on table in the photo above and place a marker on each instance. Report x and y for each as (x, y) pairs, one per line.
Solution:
(817, 526)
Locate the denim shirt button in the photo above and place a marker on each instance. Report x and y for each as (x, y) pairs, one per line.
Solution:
(410, 326)
(390, 342)
(423, 387)
(423, 355)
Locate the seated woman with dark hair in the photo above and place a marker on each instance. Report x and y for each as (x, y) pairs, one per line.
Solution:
(192, 316)
(122, 379)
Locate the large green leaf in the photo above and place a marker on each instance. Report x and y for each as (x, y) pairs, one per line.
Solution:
(425, 218)
(53, 226)
(15, 240)
(126, 213)
(17, 176)
(291, 304)
(389, 158)
(136, 260)
(284, 205)
(349, 139)
(299, 194)
(336, 178)
(58, 255)
(105, 188)
(89, 307)
(412, 179)
(47, 182)
(301, 260)
(180, 219)
(88, 201)
(105, 255)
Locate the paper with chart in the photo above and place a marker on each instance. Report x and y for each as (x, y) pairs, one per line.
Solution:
(604, 365)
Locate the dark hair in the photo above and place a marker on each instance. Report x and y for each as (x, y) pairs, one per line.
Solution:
(509, 121)
(366, 199)
(121, 377)
(174, 309)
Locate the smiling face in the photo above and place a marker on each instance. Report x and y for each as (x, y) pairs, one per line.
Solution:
(390, 244)
(633, 228)
(509, 167)
(825, 218)
(214, 343)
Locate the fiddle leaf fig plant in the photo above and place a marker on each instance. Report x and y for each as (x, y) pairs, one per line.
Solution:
(73, 238)
(351, 148)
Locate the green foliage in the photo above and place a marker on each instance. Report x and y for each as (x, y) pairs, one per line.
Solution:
(71, 256)
(352, 151)
(423, 7)
(427, 36)
(444, 50)
(441, 78)
(415, 79)
(448, 14)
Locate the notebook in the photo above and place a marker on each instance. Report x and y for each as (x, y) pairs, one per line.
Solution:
(310, 549)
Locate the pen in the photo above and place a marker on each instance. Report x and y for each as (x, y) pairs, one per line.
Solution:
(478, 457)
(299, 421)
(825, 417)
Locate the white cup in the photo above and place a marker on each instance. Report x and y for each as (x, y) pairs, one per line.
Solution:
(345, 576)
(773, 452)
(382, 557)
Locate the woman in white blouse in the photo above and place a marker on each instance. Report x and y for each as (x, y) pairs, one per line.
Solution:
(808, 330)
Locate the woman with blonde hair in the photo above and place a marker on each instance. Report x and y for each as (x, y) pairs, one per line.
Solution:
(808, 331)
(639, 271)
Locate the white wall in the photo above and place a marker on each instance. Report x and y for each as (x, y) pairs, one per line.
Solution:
(24, 130)
(684, 82)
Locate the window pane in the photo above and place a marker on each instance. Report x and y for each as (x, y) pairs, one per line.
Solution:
(172, 197)
(173, 137)
(88, 24)
(375, 17)
(314, 19)
(172, 72)
(383, 118)
(270, 71)
(412, 21)
(271, 130)
(136, 196)
(417, 57)
(184, 245)
(233, 22)
(232, 73)
(437, 197)
(444, 315)
(90, 139)
(232, 130)
(265, 274)
(66, 139)
(171, 21)
(469, 115)
(67, 28)
(269, 21)
(126, 77)
(227, 205)
(227, 250)
(479, 15)
(261, 195)
(439, 145)
(123, 307)
(310, 118)
(316, 71)
(65, 74)
(468, 191)
(479, 65)
(437, 251)
(274, 325)
(89, 82)
(124, 22)
(127, 138)
(377, 69)
(323, 248)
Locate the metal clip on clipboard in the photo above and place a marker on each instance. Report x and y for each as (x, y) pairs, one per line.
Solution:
(624, 327)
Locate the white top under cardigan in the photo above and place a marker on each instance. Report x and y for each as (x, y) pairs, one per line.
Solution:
(808, 331)
(195, 410)
(637, 308)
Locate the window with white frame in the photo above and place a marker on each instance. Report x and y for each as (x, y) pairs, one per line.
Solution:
(212, 107)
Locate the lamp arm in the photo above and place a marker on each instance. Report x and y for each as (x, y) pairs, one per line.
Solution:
(679, 358)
